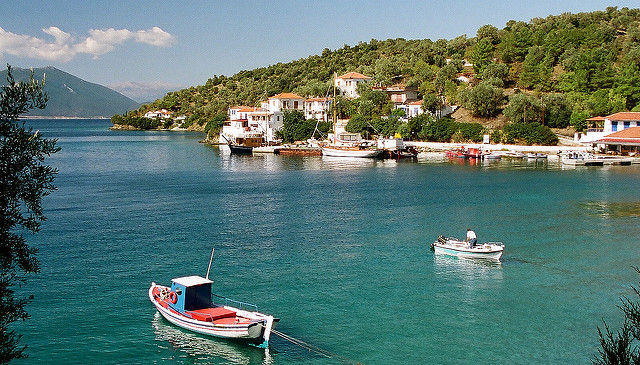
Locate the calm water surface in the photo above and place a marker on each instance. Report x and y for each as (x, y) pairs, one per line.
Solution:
(338, 249)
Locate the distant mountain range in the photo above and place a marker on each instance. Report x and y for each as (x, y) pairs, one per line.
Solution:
(70, 96)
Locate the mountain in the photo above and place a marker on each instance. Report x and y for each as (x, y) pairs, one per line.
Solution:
(70, 96)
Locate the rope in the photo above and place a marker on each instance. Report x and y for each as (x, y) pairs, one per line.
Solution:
(316, 349)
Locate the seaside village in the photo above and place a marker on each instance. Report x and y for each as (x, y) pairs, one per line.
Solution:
(254, 127)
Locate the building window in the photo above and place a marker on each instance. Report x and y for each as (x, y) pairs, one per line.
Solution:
(295, 104)
(614, 126)
(627, 125)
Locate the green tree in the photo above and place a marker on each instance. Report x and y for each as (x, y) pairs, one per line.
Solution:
(496, 70)
(557, 111)
(25, 180)
(524, 108)
(483, 100)
(432, 103)
(620, 347)
(296, 128)
(481, 54)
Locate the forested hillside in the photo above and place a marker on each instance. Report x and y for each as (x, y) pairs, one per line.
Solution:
(560, 69)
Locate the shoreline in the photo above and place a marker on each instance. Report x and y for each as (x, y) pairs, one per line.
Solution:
(445, 146)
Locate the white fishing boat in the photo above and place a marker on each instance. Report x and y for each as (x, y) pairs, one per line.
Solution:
(514, 154)
(350, 151)
(455, 247)
(188, 304)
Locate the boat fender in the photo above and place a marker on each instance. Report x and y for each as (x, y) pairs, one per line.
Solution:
(173, 298)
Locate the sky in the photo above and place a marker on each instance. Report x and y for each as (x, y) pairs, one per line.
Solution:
(148, 47)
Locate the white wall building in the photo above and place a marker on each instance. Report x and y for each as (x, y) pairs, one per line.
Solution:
(317, 108)
(610, 124)
(158, 114)
(348, 83)
(285, 101)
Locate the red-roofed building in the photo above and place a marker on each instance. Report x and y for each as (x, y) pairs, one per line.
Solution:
(348, 83)
(624, 141)
(600, 127)
(284, 101)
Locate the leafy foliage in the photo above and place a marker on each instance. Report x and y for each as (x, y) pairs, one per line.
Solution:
(620, 347)
(296, 128)
(483, 100)
(530, 133)
(591, 58)
(136, 121)
(25, 180)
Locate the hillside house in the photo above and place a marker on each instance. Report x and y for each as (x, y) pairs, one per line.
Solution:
(284, 101)
(348, 83)
(600, 127)
(399, 94)
(159, 114)
(317, 108)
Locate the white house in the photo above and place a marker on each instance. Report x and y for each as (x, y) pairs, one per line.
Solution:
(414, 108)
(348, 83)
(284, 101)
(158, 114)
(603, 126)
(317, 108)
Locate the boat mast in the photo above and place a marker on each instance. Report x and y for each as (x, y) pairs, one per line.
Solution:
(335, 104)
(210, 260)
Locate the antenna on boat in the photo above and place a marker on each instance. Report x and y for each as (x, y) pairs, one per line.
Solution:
(210, 260)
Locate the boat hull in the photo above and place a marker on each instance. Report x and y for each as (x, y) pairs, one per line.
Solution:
(240, 150)
(460, 249)
(299, 151)
(244, 325)
(362, 153)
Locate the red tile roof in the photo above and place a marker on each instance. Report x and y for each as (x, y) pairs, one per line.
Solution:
(627, 135)
(286, 96)
(624, 116)
(354, 75)
(632, 132)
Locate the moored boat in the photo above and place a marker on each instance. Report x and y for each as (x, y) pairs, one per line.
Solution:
(299, 151)
(188, 304)
(462, 152)
(350, 151)
(455, 247)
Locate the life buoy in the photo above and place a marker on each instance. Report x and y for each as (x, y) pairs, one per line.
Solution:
(173, 298)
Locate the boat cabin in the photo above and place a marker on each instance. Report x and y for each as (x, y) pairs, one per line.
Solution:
(193, 292)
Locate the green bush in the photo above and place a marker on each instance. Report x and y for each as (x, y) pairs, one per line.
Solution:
(529, 133)
(136, 122)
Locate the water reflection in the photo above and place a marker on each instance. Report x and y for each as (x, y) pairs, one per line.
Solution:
(203, 350)
(467, 269)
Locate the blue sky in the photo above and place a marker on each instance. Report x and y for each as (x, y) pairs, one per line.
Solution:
(159, 44)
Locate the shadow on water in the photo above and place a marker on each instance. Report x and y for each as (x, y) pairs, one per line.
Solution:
(606, 209)
(194, 348)
(203, 350)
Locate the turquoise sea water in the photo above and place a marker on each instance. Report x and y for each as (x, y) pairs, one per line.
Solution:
(337, 249)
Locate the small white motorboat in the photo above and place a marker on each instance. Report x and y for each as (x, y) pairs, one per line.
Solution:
(455, 247)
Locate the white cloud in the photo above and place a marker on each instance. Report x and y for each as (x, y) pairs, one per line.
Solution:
(64, 47)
